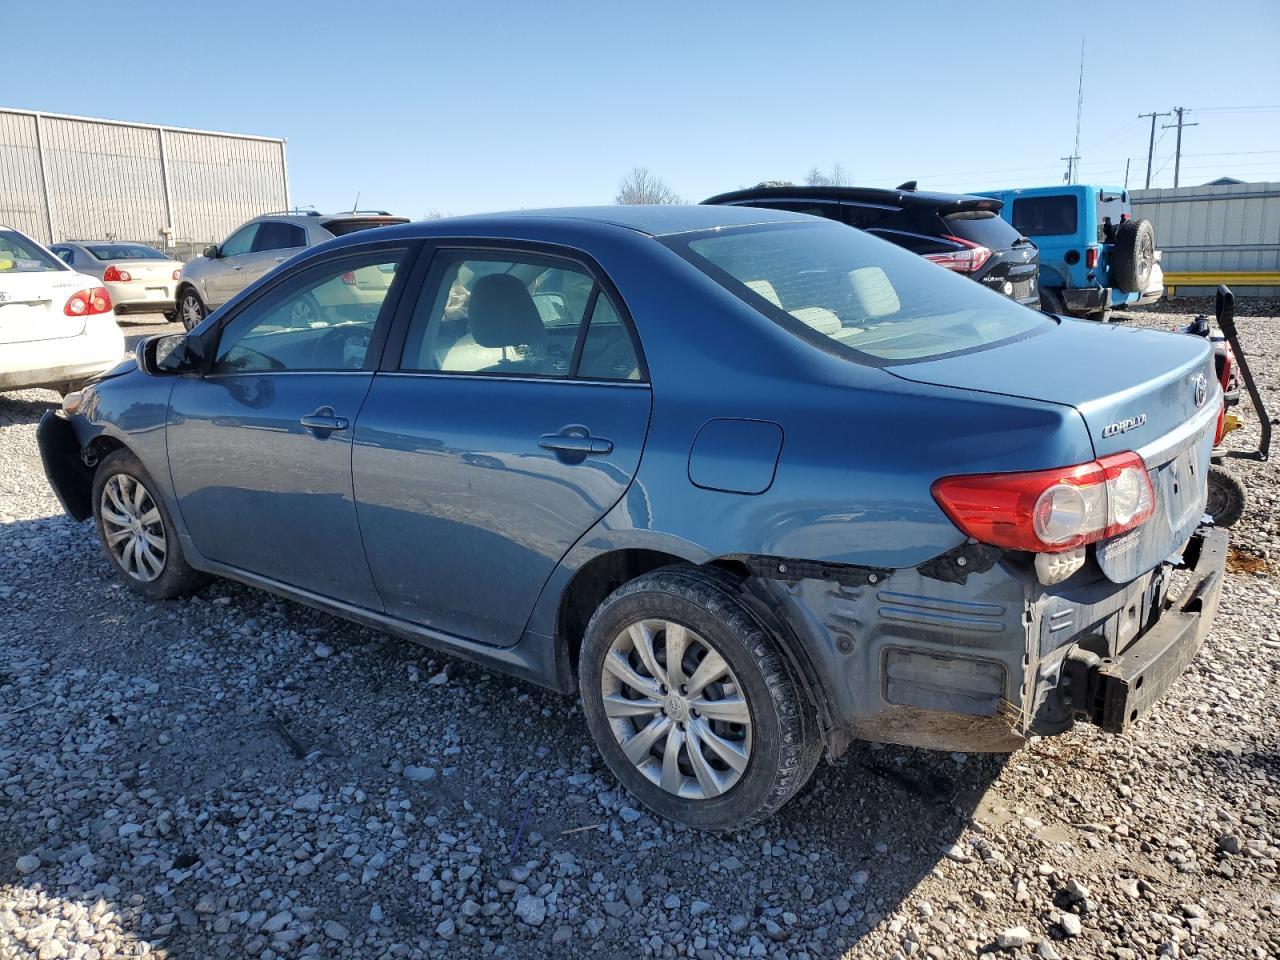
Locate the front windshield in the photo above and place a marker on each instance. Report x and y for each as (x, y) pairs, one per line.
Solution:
(20, 255)
(844, 289)
(125, 251)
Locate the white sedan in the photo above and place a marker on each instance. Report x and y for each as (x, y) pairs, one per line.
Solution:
(57, 327)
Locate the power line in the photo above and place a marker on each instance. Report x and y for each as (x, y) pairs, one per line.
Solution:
(1234, 109)
(1151, 141)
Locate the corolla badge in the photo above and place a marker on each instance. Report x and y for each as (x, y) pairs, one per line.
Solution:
(1123, 426)
(1200, 384)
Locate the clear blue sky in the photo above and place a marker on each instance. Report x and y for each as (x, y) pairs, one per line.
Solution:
(464, 107)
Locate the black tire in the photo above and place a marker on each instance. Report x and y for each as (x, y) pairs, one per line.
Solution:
(175, 577)
(1051, 301)
(171, 316)
(785, 742)
(1227, 496)
(191, 309)
(1133, 255)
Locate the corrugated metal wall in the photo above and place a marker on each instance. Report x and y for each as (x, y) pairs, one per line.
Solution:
(104, 179)
(1229, 228)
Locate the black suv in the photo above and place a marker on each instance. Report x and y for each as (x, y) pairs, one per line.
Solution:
(962, 233)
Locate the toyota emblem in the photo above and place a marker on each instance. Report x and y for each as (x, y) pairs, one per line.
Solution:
(1201, 385)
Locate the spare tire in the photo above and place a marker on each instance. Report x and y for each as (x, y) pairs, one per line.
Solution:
(1133, 255)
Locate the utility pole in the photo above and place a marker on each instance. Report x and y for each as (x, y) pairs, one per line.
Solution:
(1075, 154)
(1151, 143)
(1126, 173)
(1177, 156)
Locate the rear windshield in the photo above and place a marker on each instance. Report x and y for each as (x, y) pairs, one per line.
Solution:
(340, 228)
(982, 226)
(125, 251)
(1112, 209)
(854, 294)
(20, 255)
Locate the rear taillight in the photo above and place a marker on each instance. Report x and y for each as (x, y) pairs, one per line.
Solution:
(966, 260)
(1090, 257)
(115, 273)
(1048, 511)
(177, 274)
(85, 303)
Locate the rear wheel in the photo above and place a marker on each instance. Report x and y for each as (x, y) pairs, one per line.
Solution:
(693, 703)
(1051, 301)
(1226, 496)
(191, 309)
(137, 533)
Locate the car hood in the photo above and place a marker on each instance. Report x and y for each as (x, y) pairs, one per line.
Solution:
(1131, 386)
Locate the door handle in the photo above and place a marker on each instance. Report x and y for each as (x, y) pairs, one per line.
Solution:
(575, 443)
(323, 421)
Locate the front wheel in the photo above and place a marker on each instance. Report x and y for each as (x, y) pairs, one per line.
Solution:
(191, 309)
(137, 533)
(693, 703)
(1226, 496)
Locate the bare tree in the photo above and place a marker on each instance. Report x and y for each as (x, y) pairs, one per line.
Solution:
(836, 178)
(641, 186)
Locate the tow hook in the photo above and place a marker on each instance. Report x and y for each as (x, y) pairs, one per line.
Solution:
(1076, 680)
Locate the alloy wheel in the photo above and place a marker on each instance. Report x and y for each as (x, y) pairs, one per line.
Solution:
(192, 311)
(676, 709)
(133, 528)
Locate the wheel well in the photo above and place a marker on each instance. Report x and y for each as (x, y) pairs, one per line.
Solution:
(99, 447)
(597, 579)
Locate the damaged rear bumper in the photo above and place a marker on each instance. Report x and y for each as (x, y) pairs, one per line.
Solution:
(1122, 689)
(971, 653)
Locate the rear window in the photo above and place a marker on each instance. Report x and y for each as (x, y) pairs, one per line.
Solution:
(982, 226)
(21, 255)
(125, 251)
(1045, 216)
(1112, 208)
(855, 295)
(340, 228)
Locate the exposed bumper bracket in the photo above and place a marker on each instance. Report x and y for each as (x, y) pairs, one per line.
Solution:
(1123, 689)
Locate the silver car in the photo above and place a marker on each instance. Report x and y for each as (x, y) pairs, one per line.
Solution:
(262, 244)
(139, 278)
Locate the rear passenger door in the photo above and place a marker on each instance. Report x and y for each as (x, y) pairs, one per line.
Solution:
(508, 418)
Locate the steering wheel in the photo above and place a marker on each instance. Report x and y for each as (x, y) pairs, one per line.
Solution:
(330, 351)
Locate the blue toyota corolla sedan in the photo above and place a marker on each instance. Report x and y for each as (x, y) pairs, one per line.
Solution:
(750, 483)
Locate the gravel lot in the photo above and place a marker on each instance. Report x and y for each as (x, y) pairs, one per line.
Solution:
(237, 776)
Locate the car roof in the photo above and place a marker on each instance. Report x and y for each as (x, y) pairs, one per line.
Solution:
(1060, 188)
(656, 220)
(896, 197)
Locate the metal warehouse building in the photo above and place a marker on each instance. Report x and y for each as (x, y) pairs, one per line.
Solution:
(1216, 233)
(66, 178)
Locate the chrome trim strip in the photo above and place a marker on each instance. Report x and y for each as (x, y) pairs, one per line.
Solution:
(1163, 449)
(448, 375)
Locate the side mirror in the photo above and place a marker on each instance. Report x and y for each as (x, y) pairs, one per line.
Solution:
(1224, 305)
(211, 251)
(169, 355)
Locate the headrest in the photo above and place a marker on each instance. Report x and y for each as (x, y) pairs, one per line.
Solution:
(502, 314)
(873, 293)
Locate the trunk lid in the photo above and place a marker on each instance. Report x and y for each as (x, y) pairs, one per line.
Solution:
(1131, 386)
(153, 272)
(31, 305)
(1142, 390)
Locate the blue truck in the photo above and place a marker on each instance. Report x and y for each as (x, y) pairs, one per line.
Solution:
(1094, 254)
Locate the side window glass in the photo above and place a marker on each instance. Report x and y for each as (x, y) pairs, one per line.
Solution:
(510, 317)
(320, 319)
(1045, 216)
(914, 241)
(64, 254)
(273, 235)
(240, 242)
(863, 217)
(607, 350)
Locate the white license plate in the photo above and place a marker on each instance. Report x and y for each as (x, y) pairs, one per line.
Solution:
(157, 293)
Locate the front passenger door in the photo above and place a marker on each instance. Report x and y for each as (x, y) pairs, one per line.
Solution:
(276, 242)
(226, 274)
(260, 446)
